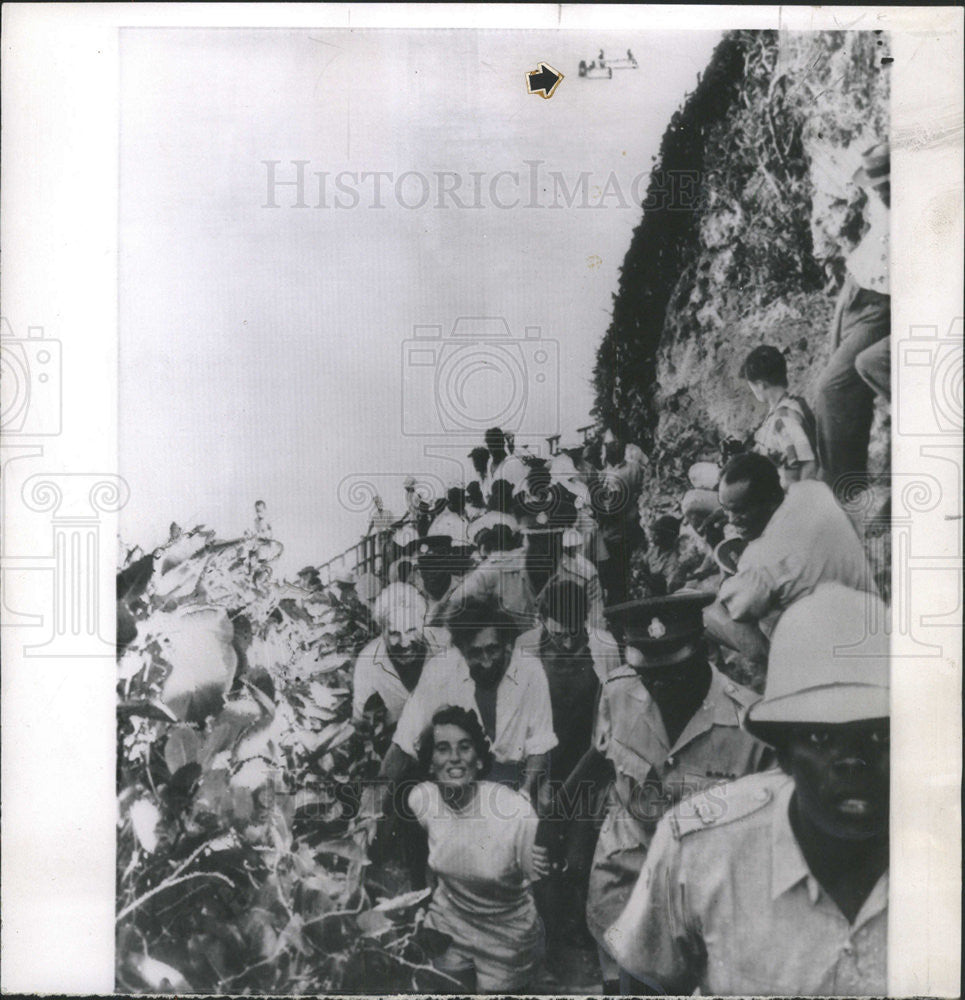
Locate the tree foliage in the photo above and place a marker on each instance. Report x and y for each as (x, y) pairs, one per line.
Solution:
(242, 853)
(625, 370)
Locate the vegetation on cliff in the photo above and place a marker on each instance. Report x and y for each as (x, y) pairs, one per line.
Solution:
(749, 215)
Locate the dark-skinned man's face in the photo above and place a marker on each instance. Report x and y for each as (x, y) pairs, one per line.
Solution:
(668, 678)
(841, 776)
(747, 515)
(436, 573)
(565, 638)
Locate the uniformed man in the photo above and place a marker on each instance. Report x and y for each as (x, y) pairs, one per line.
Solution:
(778, 884)
(615, 505)
(669, 725)
(443, 558)
(515, 578)
(577, 657)
(434, 564)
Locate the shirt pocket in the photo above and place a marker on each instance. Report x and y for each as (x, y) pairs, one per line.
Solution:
(629, 761)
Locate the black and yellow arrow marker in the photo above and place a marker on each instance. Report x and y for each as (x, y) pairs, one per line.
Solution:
(543, 80)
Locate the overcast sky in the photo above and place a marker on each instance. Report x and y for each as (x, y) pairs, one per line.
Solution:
(264, 349)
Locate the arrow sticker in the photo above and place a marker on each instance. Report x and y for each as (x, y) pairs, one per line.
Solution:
(543, 80)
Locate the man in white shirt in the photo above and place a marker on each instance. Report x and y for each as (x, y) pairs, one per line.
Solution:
(388, 668)
(503, 465)
(795, 541)
(505, 686)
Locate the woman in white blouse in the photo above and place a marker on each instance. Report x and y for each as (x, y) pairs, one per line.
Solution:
(483, 856)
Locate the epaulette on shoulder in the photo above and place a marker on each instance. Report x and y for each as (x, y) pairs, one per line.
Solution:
(743, 696)
(722, 804)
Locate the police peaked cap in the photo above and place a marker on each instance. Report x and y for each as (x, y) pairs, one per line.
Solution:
(659, 622)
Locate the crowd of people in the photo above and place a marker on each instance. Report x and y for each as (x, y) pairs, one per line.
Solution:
(569, 760)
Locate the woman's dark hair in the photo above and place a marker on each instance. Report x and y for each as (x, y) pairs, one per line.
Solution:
(468, 722)
(469, 618)
(765, 364)
(760, 474)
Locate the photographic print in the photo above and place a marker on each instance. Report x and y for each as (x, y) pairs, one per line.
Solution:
(514, 507)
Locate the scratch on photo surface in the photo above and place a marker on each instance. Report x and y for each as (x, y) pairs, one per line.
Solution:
(322, 72)
(847, 27)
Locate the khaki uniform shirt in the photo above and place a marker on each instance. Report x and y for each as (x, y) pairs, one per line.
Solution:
(727, 903)
(652, 776)
(503, 578)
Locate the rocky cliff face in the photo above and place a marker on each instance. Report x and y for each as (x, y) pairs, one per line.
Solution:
(769, 142)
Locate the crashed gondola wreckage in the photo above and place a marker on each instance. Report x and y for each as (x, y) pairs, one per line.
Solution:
(602, 68)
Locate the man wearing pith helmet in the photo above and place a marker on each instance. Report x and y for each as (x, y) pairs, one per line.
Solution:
(778, 883)
(667, 727)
